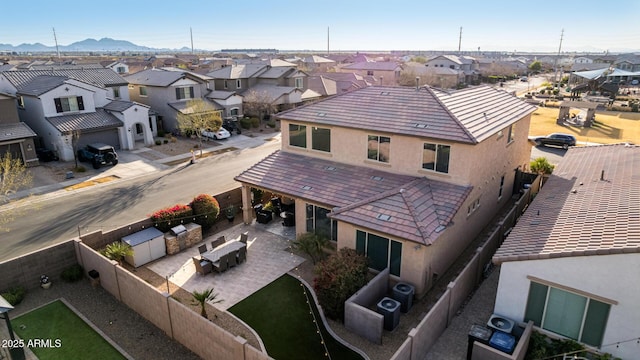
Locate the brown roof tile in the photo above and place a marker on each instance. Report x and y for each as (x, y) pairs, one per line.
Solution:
(579, 214)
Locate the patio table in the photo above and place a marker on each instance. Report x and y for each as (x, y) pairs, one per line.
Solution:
(224, 249)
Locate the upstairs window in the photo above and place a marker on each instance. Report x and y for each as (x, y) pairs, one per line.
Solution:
(298, 135)
(321, 139)
(120, 70)
(143, 91)
(238, 84)
(226, 84)
(435, 157)
(184, 93)
(299, 83)
(512, 133)
(370, 72)
(69, 104)
(21, 102)
(116, 93)
(501, 190)
(378, 148)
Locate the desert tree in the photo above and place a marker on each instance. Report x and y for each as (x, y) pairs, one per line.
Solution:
(204, 296)
(14, 176)
(199, 115)
(258, 103)
(75, 140)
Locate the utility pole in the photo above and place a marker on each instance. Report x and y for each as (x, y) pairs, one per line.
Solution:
(191, 33)
(555, 63)
(327, 41)
(460, 40)
(56, 40)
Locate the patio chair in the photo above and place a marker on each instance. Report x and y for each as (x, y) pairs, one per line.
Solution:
(233, 259)
(244, 237)
(242, 255)
(222, 264)
(217, 242)
(202, 248)
(203, 267)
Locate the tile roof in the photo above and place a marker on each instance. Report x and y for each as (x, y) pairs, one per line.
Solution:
(99, 77)
(42, 84)
(275, 72)
(221, 94)
(15, 131)
(162, 77)
(322, 85)
(417, 206)
(237, 71)
(315, 59)
(373, 65)
(469, 115)
(120, 105)
(580, 213)
(97, 120)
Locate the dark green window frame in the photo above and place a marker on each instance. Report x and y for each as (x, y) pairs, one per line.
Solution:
(321, 139)
(298, 135)
(382, 252)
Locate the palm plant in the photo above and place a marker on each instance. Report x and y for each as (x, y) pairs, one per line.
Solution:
(117, 251)
(541, 166)
(202, 297)
(312, 244)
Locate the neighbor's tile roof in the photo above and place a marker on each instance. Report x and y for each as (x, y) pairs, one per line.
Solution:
(455, 116)
(15, 131)
(417, 205)
(42, 84)
(315, 59)
(373, 65)
(578, 214)
(98, 77)
(121, 105)
(99, 119)
(221, 94)
(237, 71)
(162, 77)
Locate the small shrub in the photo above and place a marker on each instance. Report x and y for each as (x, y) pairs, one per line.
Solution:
(255, 122)
(15, 295)
(312, 244)
(161, 133)
(634, 107)
(196, 146)
(542, 91)
(245, 123)
(205, 209)
(80, 169)
(174, 139)
(271, 124)
(165, 141)
(73, 273)
(541, 165)
(117, 251)
(158, 142)
(556, 92)
(167, 218)
(338, 277)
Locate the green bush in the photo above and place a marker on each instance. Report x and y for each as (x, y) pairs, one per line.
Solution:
(167, 218)
(161, 133)
(634, 107)
(541, 165)
(158, 142)
(80, 169)
(245, 123)
(271, 124)
(338, 277)
(312, 244)
(15, 295)
(166, 141)
(73, 273)
(542, 91)
(205, 209)
(556, 92)
(255, 122)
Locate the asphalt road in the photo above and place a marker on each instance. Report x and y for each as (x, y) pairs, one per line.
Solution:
(47, 220)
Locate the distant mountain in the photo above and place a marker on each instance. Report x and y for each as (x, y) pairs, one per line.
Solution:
(104, 44)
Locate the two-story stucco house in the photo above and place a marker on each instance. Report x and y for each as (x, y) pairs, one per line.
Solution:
(167, 91)
(90, 102)
(572, 262)
(407, 176)
(465, 68)
(385, 72)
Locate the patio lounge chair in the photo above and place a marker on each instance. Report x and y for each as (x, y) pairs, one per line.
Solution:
(244, 237)
(217, 242)
(222, 264)
(203, 267)
(242, 255)
(202, 248)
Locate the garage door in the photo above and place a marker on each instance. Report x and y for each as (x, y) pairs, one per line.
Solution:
(109, 137)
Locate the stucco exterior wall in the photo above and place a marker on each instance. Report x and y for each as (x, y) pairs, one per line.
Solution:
(8, 112)
(49, 106)
(613, 277)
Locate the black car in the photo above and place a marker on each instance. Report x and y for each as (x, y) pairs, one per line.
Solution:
(231, 126)
(556, 139)
(98, 154)
(46, 155)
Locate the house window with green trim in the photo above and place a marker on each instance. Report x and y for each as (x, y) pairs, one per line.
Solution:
(378, 148)
(321, 139)
(435, 157)
(298, 135)
(143, 91)
(184, 93)
(319, 223)
(382, 252)
(566, 313)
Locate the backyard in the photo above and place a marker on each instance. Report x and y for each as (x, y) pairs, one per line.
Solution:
(289, 323)
(609, 128)
(65, 334)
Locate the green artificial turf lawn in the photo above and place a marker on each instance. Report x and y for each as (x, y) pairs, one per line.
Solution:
(280, 314)
(56, 321)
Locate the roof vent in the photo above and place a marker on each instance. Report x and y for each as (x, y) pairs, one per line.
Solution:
(440, 228)
(321, 114)
(330, 168)
(377, 178)
(383, 217)
(307, 187)
(421, 126)
(384, 93)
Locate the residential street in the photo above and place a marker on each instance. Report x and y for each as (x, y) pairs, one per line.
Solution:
(52, 218)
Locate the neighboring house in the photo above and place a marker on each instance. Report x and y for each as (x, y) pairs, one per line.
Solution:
(15, 137)
(387, 72)
(582, 60)
(229, 101)
(628, 63)
(465, 67)
(317, 63)
(56, 104)
(346, 82)
(407, 176)
(284, 86)
(117, 66)
(166, 91)
(323, 85)
(572, 262)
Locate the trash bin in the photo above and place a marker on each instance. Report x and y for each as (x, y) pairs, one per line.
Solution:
(94, 276)
(478, 333)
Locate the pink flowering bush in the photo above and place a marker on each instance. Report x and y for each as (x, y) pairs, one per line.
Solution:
(165, 219)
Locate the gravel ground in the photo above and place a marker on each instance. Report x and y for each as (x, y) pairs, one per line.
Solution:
(137, 336)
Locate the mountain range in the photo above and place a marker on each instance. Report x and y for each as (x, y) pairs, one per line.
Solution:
(104, 44)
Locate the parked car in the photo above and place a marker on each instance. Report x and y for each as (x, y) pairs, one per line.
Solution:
(222, 133)
(524, 79)
(98, 154)
(635, 82)
(231, 126)
(556, 139)
(46, 155)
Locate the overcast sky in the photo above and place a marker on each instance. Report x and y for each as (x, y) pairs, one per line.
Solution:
(589, 25)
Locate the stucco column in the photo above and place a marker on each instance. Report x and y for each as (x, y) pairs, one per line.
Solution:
(247, 208)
